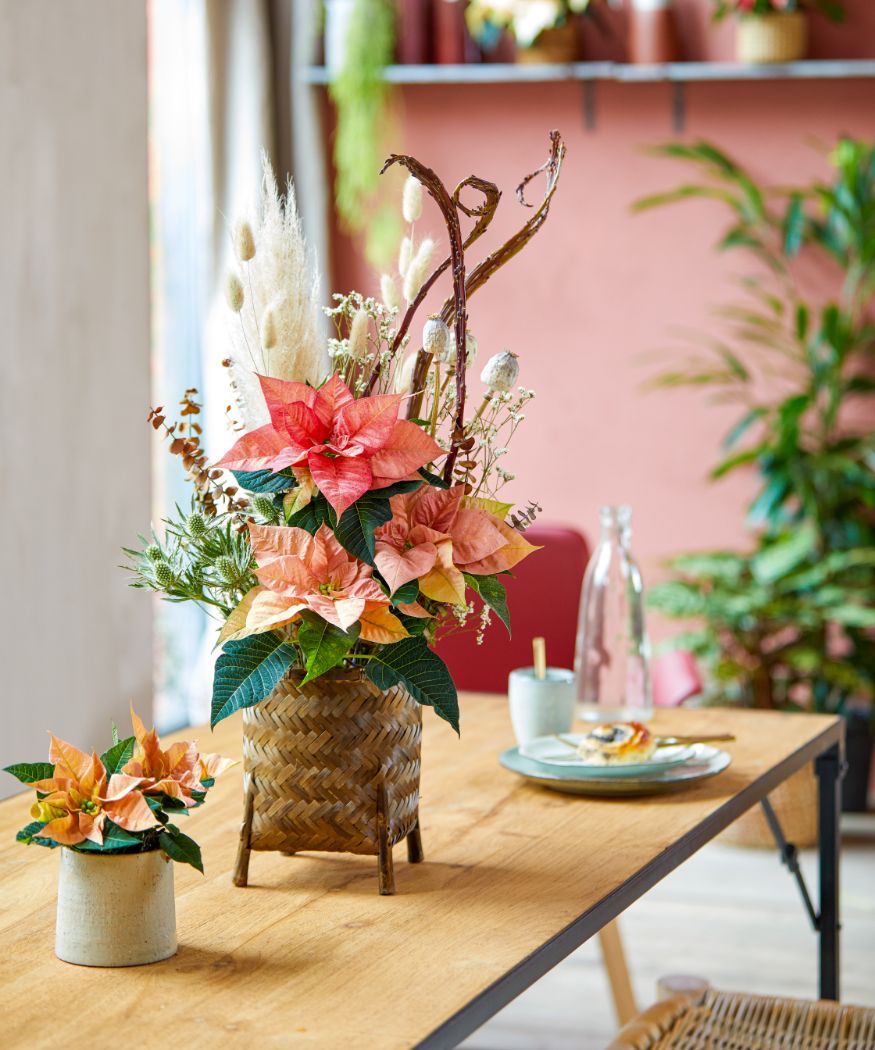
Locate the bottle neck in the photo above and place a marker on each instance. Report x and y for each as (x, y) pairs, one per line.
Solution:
(616, 526)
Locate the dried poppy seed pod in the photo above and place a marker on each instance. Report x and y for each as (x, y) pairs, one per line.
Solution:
(268, 328)
(234, 292)
(501, 372)
(357, 343)
(470, 342)
(244, 242)
(389, 293)
(436, 337)
(405, 254)
(471, 345)
(411, 199)
(417, 271)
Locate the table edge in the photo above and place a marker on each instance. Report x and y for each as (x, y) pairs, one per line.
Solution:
(502, 991)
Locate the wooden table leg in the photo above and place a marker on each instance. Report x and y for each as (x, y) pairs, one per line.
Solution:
(614, 960)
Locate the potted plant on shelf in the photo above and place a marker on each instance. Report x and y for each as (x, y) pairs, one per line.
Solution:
(361, 522)
(790, 624)
(544, 32)
(773, 30)
(112, 814)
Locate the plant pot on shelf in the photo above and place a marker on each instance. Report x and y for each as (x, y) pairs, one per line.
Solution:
(796, 806)
(553, 46)
(332, 766)
(778, 37)
(115, 909)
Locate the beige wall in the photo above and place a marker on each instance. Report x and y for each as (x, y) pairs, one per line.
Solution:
(75, 642)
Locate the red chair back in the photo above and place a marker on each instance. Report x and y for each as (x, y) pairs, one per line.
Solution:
(543, 597)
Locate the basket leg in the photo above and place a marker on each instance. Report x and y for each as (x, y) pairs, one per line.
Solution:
(386, 870)
(414, 844)
(241, 867)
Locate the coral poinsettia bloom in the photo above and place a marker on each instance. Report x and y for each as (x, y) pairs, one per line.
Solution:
(78, 799)
(349, 445)
(179, 771)
(299, 572)
(436, 535)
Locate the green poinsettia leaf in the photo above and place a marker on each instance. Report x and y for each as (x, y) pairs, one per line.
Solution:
(317, 512)
(421, 671)
(26, 835)
(265, 480)
(435, 480)
(406, 593)
(324, 645)
(397, 488)
(28, 772)
(119, 754)
(247, 672)
(180, 847)
(355, 530)
(115, 840)
(492, 591)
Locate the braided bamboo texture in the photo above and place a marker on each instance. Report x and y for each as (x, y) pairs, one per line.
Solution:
(331, 765)
(735, 1021)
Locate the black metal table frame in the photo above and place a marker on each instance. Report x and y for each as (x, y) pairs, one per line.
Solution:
(826, 751)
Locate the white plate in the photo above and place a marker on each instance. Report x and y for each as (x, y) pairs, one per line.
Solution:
(551, 751)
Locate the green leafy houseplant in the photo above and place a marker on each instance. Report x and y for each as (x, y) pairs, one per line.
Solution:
(791, 623)
(751, 8)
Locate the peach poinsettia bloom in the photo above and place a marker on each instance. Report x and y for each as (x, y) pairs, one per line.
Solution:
(299, 572)
(436, 535)
(78, 799)
(178, 772)
(349, 445)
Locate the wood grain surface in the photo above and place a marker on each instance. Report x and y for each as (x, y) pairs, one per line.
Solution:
(309, 955)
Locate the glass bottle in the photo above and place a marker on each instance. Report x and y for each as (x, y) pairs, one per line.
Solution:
(613, 654)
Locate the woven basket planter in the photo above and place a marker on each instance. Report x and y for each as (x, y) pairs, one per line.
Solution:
(779, 37)
(796, 807)
(332, 766)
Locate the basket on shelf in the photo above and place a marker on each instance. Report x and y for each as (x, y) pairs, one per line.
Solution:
(795, 805)
(553, 46)
(777, 37)
(333, 766)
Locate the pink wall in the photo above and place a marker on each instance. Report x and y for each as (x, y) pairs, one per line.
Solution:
(600, 289)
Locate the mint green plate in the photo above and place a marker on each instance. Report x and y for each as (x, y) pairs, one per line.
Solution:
(555, 752)
(706, 761)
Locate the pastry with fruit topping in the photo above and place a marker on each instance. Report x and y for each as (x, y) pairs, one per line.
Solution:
(615, 743)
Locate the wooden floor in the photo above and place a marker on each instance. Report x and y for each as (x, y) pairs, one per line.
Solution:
(730, 915)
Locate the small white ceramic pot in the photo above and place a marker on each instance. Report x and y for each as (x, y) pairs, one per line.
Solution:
(540, 706)
(115, 910)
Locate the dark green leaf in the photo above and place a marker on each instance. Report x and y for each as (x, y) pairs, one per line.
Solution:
(247, 672)
(406, 593)
(120, 753)
(397, 488)
(794, 225)
(422, 672)
(26, 835)
(740, 459)
(115, 839)
(434, 480)
(265, 480)
(317, 512)
(180, 847)
(355, 530)
(492, 591)
(324, 645)
(28, 772)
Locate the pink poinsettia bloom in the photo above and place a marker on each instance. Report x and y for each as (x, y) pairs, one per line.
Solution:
(78, 799)
(436, 535)
(348, 445)
(301, 572)
(179, 771)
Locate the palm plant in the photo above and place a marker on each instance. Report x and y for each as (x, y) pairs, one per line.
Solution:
(791, 623)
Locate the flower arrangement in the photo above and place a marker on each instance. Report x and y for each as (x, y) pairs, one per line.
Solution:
(525, 19)
(742, 8)
(121, 801)
(363, 518)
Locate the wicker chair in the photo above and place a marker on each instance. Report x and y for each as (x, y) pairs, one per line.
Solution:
(736, 1021)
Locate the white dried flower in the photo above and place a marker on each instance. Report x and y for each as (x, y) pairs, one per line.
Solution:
(268, 328)
(389, 293)
(405, 254)
(436, 337)
(244, 242)
(403, 379)
(357, 344)
(501, 371)
(417, 271)
(411, 199)
(234, 292)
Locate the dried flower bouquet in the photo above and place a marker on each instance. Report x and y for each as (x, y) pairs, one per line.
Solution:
(363, 517)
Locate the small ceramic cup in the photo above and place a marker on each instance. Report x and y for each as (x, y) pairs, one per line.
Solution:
(540, 706)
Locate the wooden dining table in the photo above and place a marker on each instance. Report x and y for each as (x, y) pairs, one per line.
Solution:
(515, 878)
